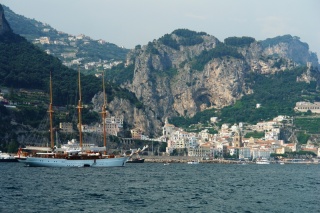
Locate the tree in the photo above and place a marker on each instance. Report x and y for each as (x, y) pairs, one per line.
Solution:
(13, 147)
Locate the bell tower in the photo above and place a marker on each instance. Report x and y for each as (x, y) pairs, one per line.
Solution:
(237, 138)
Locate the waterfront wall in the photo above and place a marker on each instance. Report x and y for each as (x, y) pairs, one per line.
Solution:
(184, 159)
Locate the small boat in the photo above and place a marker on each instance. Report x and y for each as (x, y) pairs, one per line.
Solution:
(166, 164)
(193, 162)
(5, 157)
(262, 161)
(136, 160)
(135, 152)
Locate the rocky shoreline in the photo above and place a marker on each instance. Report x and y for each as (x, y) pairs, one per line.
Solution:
(183, 159)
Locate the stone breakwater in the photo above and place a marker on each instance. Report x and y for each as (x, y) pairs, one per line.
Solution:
(184, 159)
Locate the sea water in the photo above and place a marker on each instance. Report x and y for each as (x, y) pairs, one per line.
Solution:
(155, 187)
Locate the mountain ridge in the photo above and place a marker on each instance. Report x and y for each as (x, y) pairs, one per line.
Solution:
(187, 72)
(4, 25)
(175, 78)
(73, 51)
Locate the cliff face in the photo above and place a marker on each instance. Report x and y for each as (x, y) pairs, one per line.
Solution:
(289, 47)
(4, 26)
(168, 85)
(166, 81)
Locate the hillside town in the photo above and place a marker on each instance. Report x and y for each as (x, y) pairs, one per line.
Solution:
(69, 45)
(229, 142)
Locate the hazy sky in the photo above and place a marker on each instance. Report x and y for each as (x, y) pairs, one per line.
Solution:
(131, 22)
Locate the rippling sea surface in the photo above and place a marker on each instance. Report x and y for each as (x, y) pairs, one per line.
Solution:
(155, 187)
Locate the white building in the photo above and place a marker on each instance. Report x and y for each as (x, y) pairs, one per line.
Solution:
(167, 129)
(204, 135)
(260, 153)
(244, 152)
(265, 126)
(213, 119)
(272, 134)
(305, 106)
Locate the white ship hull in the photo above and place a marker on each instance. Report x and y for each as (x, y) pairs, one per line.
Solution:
(57, 162)
(193, 162)
(262, 162)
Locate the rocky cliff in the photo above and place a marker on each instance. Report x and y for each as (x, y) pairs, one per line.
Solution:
(186, 72)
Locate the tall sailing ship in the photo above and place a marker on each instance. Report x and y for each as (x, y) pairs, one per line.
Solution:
(78, 156)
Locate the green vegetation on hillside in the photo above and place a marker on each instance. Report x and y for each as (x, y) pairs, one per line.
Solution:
(5, 127)
(22, 65)
(310, 124)
(188, 33)
(254, 134)
(201, 117)
(169, 41)
(115, 91)
(219, 51)
(96, 51)
(303, 137)
(151, 49)
(187, 38)
(239, 41)
(120, 73)
(276, 93)
(281, 39)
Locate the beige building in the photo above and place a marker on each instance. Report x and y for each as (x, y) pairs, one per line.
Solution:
(136, 133)
(201, 151)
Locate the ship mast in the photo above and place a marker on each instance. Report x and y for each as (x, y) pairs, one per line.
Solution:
(104, 113)
(79, 107)
(50, 111)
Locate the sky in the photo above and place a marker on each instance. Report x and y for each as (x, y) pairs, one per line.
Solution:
(128, 23)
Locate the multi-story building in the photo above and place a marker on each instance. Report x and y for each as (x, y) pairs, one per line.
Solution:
(136, 133)
(244, 152)
(260, 153)
(305, 106)
(201, 151)
(114, 125)
(265, 126)
(290, 147)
